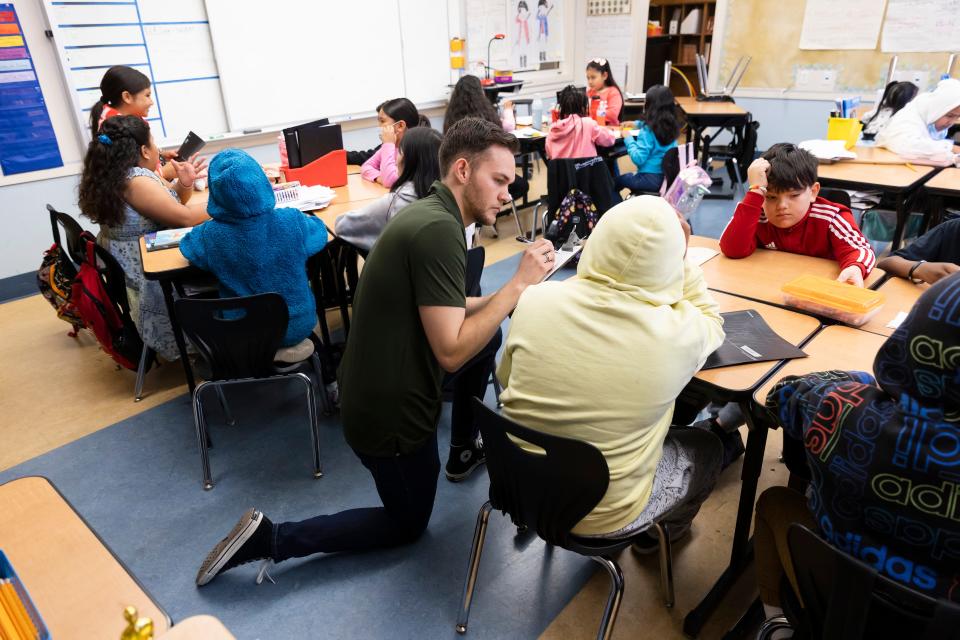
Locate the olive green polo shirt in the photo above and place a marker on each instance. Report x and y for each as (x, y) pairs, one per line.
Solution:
(390, 395)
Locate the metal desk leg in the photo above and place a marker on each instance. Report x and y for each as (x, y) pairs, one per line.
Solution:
(167, 288)
(742, 548)
(903, 212)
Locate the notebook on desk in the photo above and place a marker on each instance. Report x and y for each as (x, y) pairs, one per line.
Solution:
(165, 239)
(750, 339)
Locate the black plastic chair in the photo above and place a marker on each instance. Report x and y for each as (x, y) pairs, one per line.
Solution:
(844, 598)
(550, 493)
(590, 175)
(72, 232)
(239, 338)
(836, 195)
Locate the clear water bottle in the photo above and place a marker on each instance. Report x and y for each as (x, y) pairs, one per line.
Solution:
(537, 109)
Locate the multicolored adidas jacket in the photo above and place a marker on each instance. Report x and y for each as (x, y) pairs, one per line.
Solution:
(884, 453)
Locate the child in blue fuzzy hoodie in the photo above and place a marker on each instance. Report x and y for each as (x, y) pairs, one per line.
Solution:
(253, 247)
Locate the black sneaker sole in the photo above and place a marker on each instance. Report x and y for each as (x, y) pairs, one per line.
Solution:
(226, 548)
(463, 475)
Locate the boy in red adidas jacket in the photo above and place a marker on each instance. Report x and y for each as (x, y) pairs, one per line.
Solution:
(783, 212)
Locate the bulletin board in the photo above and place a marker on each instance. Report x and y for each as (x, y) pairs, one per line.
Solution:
(770, 33)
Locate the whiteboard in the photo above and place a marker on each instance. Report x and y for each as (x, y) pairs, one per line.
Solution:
(921, 25)
(168, 40)
(610, 37)
(841, 24)
(301, 61)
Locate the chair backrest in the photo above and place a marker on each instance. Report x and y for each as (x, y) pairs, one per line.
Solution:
(846, 598)
(748, 147)
(475, 259)
(239, 337)
(590, 175)
(549, 492)
(71, 229)
(836, 195)
(111, 273)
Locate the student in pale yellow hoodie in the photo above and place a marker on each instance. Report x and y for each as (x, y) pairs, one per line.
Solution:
(603, 356)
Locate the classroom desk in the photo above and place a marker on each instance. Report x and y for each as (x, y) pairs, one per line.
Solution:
(76, 582)
(168, 266)
(737, 384)
(836, 347)
(901, 295)
(761, 275)
(703, 114)
(945, 184)
(898, 180)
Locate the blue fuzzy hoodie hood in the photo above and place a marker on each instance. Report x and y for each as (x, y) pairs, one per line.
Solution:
(238, 187)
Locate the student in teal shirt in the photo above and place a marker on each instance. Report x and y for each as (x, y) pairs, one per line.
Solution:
(658, 132)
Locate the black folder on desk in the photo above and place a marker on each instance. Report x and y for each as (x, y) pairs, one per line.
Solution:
(312, 140)
(750, 339)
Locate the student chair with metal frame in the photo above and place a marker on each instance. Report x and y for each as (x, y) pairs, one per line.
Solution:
(845, 598)
(549, 494)
(239, 338)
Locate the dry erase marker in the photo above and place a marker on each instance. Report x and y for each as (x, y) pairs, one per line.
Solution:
(246, 131)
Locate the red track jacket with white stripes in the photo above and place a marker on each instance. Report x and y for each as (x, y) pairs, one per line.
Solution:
(827, 231)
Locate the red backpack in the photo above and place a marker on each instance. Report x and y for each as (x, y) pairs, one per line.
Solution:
(108, 317)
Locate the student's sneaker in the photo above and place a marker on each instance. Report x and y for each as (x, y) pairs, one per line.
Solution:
(249, 540)
(649, 542)
(732, 440)
(464, 459)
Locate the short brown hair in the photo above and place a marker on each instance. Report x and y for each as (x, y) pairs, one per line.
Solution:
(790, 167)
(469, 138)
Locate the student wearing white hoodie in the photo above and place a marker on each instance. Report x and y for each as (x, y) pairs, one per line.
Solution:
(603, 356)
(919, 130)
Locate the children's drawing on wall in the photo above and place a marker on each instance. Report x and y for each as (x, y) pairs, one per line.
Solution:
(547, 44)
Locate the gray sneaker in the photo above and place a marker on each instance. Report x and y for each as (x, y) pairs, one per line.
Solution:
(249, 540)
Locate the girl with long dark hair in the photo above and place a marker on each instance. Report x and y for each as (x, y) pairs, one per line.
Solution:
(419, 165)
(658, 132)
(120, 191)
(600, 83)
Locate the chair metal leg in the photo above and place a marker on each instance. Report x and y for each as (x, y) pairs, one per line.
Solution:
(226, 408)
(314, 429)
(516, 218)
(145, 356)
(496, 386)
(613, 600)
(772, 624)
(200, 424)
(479, 534)
(666, 564)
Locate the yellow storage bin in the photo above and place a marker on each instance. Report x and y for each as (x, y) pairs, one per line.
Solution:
(838, 300)
(846, 129)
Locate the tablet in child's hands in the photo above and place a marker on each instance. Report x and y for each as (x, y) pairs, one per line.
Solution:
(191, 144)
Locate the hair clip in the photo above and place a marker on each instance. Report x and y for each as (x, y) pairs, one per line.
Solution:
(105, 139)
(601, 61)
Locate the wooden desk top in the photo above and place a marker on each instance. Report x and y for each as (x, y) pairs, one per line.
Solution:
(198, 628)
(76, 583)
(692, 107)
(790, 325)
(947, 181)
(901, 295)
(835, 347)
(874, 155)
(354, 195)
(761, 275)
(890, 176)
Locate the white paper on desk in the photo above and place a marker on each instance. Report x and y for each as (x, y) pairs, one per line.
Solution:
(527, 133)
(699, 255)
(897, 320)
(828, 149)
(562, 257)
(311, 198)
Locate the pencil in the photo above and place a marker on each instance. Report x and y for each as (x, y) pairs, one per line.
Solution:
(911, 167)
(7, 628)
(20, 609)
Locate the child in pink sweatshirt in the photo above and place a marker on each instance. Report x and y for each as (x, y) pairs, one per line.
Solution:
(573, 135)
(395, 117)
